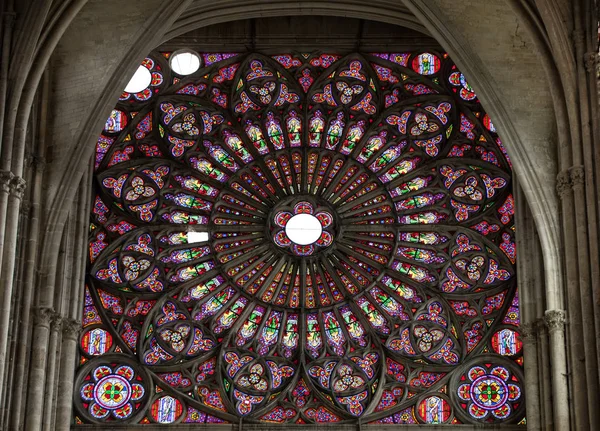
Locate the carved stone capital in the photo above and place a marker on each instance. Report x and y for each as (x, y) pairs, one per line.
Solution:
(529, 331)
(17, 187)
(56, 323)
(555, 320)
(5, 179)
(590, 61)
(577, 176)
(44, 316)
(71, 328)
(563, 183)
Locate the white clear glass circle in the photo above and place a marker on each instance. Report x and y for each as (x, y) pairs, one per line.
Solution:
(184, 62)
(303, 229)
(140, 80)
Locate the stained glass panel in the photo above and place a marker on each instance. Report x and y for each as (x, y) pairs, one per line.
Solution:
(208, 298)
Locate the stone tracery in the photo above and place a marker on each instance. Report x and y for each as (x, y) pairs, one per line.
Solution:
(416, 278)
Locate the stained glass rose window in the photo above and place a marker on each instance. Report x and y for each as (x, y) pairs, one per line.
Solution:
(358, 254)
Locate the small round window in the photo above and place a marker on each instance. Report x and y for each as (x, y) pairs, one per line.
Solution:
(184, 62)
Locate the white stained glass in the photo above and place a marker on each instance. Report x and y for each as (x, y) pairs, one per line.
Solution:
(193, 237)
(303, 229)
(185, 63)
(140, 80)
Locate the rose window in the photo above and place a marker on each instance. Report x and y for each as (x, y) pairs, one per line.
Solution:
(301, 238)
(491, 391)
(111, 390)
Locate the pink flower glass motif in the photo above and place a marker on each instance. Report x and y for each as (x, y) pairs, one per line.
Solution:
(427, 338)
(423, 125)
(264, 92)
(139, 190)
(134, 267)
(112, 392)
(321, 219)
(254, 379)
(469, 190)
(472, 268)
(176, 337)
(187, 126)
(347, 92)
(347, 380)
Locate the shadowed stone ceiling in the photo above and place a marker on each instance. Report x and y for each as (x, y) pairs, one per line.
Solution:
(302, 32)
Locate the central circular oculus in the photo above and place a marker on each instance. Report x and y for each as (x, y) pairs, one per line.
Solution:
(303, 229)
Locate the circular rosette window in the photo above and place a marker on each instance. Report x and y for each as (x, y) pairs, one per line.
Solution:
(136, 264)
(172, 336)
(472, 188)
(347, 384)
(251, 380)
(160, 193)
(427, 337)
(269, 222)
(302, 228)
(474, 266)
(132, 267)
(490, 392)
(306, 238)
(111, 389)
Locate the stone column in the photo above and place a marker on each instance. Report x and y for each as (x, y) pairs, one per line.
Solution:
(24, 328)
(535, 336)
(583, 143)
(533, 300)
(51, 371)
(529, 336)
(39, 352)
(575, 348)
(585, 234)
(555, 322)
(68, 354)
(592, 67)
(16, 320)
(16, 187)
(5, 180)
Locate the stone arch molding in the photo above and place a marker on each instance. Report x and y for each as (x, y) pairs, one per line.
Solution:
(529, 145)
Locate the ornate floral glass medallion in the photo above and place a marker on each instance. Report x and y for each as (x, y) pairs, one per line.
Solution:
(303, 229)
(301, 238)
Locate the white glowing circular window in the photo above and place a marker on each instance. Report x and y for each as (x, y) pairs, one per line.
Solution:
(303, 229)
(185, 62)
(140, 80)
